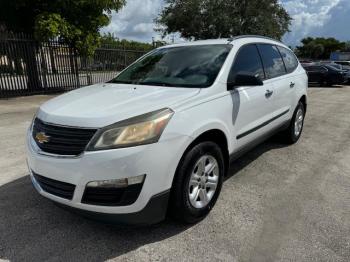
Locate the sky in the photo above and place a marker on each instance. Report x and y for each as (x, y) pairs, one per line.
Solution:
(328, 18)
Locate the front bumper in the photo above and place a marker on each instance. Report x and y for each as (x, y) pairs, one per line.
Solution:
(157, 161)
(152, 213)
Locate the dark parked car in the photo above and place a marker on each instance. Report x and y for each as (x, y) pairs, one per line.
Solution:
(344, 68)
(340, 67)
(325, 75)
(345, 63)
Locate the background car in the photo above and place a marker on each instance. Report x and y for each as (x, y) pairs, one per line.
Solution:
(325, 75)
(344, 68)
(346, 63)
(306, 63)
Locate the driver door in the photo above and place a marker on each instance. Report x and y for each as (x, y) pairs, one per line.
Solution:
(252, 103)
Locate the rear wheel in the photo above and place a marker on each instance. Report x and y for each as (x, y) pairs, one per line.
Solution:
(197, 183)
(293, 133)
(325, 83)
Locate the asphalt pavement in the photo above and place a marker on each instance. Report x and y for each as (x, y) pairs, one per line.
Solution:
(280, 203)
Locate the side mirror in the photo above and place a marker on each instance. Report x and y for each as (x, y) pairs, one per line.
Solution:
(244, 79)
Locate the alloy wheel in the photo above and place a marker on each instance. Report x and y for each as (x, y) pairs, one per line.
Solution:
(203, 181)
(298, 123)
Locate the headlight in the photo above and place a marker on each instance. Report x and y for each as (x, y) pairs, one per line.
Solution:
(140, 130)
(33, 120)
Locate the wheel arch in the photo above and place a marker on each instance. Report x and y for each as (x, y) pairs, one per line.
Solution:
(303, 100)
(176, 193)
(214, 135)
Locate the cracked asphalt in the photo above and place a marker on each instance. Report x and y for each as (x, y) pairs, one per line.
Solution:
(280, 203)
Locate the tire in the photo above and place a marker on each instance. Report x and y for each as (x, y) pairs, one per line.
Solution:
(182, 206)
(326, 84)
(293, 132)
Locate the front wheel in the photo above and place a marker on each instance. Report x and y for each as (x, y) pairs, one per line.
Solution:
(293, 133)
(197, 183)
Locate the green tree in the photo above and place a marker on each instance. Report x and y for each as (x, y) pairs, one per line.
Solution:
(112, 41)
(319, 48)
(76, 22)
(203, 19)
(347, 46)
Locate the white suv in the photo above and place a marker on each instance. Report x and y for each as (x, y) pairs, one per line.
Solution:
(160, 136)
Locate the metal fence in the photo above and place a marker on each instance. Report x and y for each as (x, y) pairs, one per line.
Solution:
(28, 67)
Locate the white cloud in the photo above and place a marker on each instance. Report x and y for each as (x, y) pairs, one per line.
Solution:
(135, 20)
(328, 18)
(312, 17)
(143, 28)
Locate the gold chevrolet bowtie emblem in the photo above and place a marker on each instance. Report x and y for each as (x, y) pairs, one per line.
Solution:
(42, 138)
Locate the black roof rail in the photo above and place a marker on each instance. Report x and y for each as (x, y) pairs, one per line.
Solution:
(247, 36)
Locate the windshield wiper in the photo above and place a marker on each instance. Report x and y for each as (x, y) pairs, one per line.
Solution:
(115, 81)
(154, 83)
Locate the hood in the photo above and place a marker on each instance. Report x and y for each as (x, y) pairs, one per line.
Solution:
(104, 104)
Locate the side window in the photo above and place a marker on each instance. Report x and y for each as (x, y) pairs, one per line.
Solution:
(289, 59)
(318, 69)
(247, 60)
(272, 60)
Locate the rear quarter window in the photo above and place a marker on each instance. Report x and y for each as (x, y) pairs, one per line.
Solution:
(272, 60)
(289, 59)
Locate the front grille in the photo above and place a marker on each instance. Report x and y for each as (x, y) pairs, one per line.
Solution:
(54, 187)
(61, 140)
(112, 196)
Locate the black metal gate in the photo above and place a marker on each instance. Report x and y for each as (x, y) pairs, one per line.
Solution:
(28, 67)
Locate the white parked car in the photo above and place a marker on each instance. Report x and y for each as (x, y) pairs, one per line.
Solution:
(160, 136)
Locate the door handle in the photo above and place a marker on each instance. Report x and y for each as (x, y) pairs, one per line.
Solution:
(268, 93)
(292, 84)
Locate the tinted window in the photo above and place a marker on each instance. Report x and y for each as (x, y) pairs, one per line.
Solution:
(333, 69)
(247, 60)
(186, 66)
(272, 60)
(289, 59)
(315, 69)
(343, 63)
(339, 67)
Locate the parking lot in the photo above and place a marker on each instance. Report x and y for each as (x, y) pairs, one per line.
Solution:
(280, 203)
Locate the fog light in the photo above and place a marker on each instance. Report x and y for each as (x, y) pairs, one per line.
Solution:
(117, 183)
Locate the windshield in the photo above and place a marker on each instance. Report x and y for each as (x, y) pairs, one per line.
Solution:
(185, 66)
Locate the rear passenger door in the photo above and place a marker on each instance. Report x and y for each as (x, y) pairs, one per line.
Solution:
(282, 85)
(253, 102)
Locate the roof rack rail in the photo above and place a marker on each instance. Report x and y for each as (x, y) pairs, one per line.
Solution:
(246, 36)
